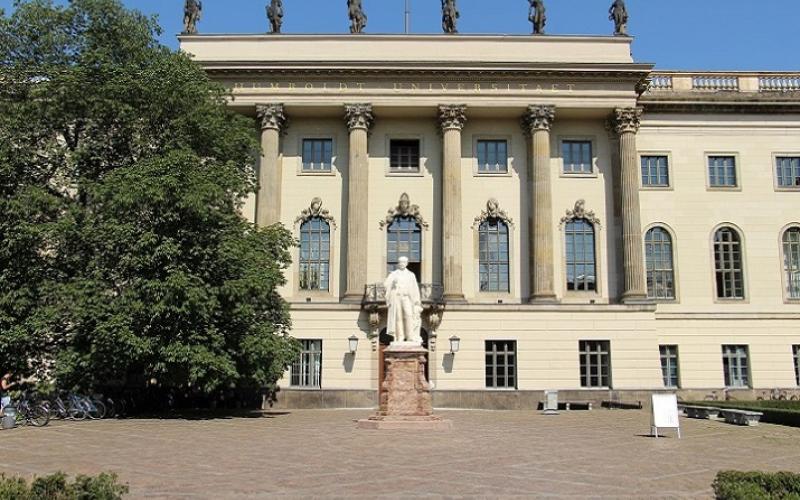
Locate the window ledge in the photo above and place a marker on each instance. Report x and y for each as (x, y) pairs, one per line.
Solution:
(492, 174)
(571, 175)
(724, 188)
(405, 174)
(322, 173)
(780, 189)
(657, 188)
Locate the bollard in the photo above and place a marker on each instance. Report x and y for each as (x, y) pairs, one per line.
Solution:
(9, 417)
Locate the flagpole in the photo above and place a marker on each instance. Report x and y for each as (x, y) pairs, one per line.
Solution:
(408, 16)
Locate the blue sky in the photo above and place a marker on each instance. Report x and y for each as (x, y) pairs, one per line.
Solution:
(685, 34)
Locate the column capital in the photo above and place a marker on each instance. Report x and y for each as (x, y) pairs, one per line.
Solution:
(358, 116)
(452, 116)
(538, 117)
(627, 120)
(272, 116)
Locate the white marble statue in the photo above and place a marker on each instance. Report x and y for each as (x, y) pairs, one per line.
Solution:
(404, 320)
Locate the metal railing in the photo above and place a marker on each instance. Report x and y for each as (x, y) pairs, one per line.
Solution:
(429, 293)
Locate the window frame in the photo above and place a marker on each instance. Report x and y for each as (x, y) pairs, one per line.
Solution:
(565, 280)
(776, 181)
(664, 227)
(319, 261)
(390, 266)
(727, 373)
(593, 160)
(796, 357)
(736, 166)
(785, 280)
(587, 354)
(743, 257)
(497, 262)
(391, 172)
(476, 140)
(301, 150)
(317, 375)
(670, 171)
(665, 354)
(494, 353)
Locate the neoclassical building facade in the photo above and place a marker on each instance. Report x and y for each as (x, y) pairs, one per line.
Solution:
(577, 221)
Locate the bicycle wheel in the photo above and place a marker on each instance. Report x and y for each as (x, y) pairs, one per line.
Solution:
(39, 416)
(75, 412)
(101, 408)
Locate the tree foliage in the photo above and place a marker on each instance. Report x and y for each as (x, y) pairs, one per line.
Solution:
(123, 255)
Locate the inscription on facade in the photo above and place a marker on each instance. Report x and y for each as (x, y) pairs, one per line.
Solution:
(406, 87)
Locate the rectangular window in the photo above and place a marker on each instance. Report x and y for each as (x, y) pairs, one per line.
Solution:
(577, 157)
(501, 364)
(797, 363)
(722, 171)
(404, 155)
(492, 157)
(655, 171)
(669, 365)
(317, 155)
(595, 360)
(788, 171)
(735, 366)
(307, 369)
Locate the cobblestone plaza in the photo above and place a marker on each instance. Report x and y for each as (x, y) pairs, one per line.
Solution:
(313, 453)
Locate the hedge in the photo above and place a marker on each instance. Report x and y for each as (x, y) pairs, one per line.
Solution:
(733, 485)
(56, 487)
(775, 412)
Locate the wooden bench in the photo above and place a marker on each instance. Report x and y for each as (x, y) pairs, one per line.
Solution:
(741, 417)
(703, 412)
(570, 405)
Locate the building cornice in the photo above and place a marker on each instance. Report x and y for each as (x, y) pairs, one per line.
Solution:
(438, 37)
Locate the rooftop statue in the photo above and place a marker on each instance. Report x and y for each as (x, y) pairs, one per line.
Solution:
(358, 20)
(275, 15)
(450, 16)
(619, 14)
(537, 16)
(192, 12)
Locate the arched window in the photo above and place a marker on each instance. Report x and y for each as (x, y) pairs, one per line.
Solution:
(494, 260)
(315, 254)
(791, 262)
(404, 239)
(660, 266)
(581, 262)
(728, 264)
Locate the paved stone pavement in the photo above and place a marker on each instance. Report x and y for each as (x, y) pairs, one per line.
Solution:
(307, 454)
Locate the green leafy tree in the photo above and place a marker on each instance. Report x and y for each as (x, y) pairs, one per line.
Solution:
(123, 255)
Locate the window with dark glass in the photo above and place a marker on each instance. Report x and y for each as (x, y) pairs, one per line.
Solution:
(404, 239)
(404, 155)
(581, 265)
(306, 370)
(577, 157)
(735, 365)
(669, 365)
(494, 260)
(788, 171)
(791, 262)
(595, 361)
(317, 155)
(492, 156)
(722, 171)
(660, 267)
(728, 264)
(797, 363)
(501, 364)
(315, 254)
(655, 171)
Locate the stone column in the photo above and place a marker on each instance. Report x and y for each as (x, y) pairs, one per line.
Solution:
(273, 124)
(359, 120)
(452, 120)
(537, 123)
(626, 125)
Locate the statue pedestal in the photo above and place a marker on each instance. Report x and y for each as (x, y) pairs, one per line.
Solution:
(406, 397)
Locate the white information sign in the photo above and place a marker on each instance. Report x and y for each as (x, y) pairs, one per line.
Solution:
(665, 413)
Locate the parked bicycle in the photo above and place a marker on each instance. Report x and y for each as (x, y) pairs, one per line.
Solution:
(31, 412)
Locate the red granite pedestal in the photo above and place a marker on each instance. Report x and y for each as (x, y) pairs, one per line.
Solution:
(406, 397)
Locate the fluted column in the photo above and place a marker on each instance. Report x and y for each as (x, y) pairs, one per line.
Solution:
(273, 124)
(452, 119)
(626, 125)
(359, 120)
(537, 123)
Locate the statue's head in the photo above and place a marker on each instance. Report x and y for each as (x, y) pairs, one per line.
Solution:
(402, 263)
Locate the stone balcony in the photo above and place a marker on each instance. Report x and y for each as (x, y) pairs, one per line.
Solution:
(431, 295)
(433, 304)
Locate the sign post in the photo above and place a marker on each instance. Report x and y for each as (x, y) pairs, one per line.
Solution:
(664, 413)
(550, 402)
